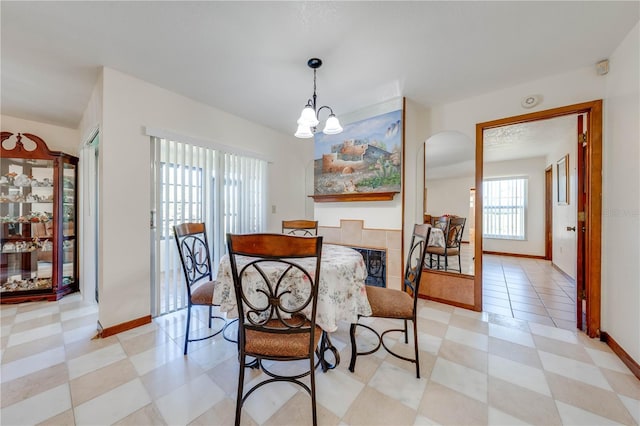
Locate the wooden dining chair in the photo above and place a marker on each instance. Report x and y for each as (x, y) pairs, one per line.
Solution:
(453, 239)
(272, 321)
(193, 248)
(300, 227)
(397, 304)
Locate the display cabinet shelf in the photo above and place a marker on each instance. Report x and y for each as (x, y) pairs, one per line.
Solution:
(38, 226)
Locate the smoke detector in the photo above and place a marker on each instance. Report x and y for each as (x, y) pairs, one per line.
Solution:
(530, 101)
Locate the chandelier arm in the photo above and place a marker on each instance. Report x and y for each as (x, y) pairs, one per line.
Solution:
(323, 107)
(305, 130)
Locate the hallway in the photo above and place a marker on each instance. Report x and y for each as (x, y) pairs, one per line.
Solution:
(528, 289)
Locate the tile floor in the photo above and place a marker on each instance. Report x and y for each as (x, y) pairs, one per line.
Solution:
(528, 289)
(477, 368)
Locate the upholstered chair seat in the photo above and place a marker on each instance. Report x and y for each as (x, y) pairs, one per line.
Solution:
(389, 303)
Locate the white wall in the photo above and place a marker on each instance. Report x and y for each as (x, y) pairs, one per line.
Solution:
(574, 87)
(621, 181)
(416, 132)
(451, 196)
(129, 105)
(621, 197)
(533, 168)
(57, 138)
(577, 86)
(565, 243)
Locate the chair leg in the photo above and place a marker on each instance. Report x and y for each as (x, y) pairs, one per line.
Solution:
(313, 391)
(210, 315)
(415, 341)
(459, 263)
(240, 389)
(406, 334)
(354, 349)
(186, 337)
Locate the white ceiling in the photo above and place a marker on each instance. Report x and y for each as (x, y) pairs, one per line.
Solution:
(452, 154)
(533, 139)
(249, 58)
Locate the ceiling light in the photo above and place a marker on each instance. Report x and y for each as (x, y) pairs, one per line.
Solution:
(309, 117)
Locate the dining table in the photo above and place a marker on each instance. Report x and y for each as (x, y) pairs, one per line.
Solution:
(342, 294)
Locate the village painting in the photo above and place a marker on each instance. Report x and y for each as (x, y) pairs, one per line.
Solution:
(365, 158)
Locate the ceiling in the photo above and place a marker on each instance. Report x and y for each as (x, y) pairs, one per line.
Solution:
(249, 58)
(451, 154)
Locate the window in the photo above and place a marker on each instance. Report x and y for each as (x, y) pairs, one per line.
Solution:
(504, 202)
(181, 196)
(191, 183)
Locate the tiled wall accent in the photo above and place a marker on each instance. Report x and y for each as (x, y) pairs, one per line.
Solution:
(352, 233)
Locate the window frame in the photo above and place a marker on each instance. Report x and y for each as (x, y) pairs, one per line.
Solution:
(522, 206)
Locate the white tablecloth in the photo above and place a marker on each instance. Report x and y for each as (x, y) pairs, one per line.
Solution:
(341, 296)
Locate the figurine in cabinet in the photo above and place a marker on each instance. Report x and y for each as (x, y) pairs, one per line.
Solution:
(38, 220)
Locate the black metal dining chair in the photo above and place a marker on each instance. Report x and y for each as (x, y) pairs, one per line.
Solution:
(397, 304)
(300, 227)
(193, 248)
(272, 322)
(453, 239)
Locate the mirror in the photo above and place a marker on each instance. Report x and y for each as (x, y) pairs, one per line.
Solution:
(449, 190)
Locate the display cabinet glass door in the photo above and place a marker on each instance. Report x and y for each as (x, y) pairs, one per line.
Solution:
(69, 221)
(27, 214)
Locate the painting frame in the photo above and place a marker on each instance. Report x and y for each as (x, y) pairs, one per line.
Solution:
(562, 179)
(362, 163)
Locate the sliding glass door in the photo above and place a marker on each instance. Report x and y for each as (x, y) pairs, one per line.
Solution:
(191, 183)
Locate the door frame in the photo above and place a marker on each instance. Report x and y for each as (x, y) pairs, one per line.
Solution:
(592, 205)
(548, 213)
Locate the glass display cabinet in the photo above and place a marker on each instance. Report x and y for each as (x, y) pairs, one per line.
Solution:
(38, 238)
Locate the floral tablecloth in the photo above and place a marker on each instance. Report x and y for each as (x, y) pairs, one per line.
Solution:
(342, 295)
(436, 238)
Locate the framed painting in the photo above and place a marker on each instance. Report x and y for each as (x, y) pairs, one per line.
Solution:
(563, 180)
(363, 163)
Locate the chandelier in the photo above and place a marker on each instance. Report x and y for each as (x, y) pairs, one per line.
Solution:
(309, 117)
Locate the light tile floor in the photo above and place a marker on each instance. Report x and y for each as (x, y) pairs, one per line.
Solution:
(528, 289)
(477, 368)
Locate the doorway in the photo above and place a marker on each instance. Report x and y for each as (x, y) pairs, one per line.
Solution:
(589, 217)
(89, 266)
(548, 213)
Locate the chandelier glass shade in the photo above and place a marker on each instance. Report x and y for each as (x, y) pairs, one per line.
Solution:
(308, 119)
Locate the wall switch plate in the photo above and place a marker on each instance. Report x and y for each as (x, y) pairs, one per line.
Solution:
(602, 67)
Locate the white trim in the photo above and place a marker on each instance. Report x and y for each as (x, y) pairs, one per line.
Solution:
(205, 143)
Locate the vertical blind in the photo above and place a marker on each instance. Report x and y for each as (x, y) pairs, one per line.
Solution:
(192, 183)
(504, 202)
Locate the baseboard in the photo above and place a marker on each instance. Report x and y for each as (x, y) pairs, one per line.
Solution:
(557, 268)
(499, 253)
(622, 354)
(119, 328)
(449, 302)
